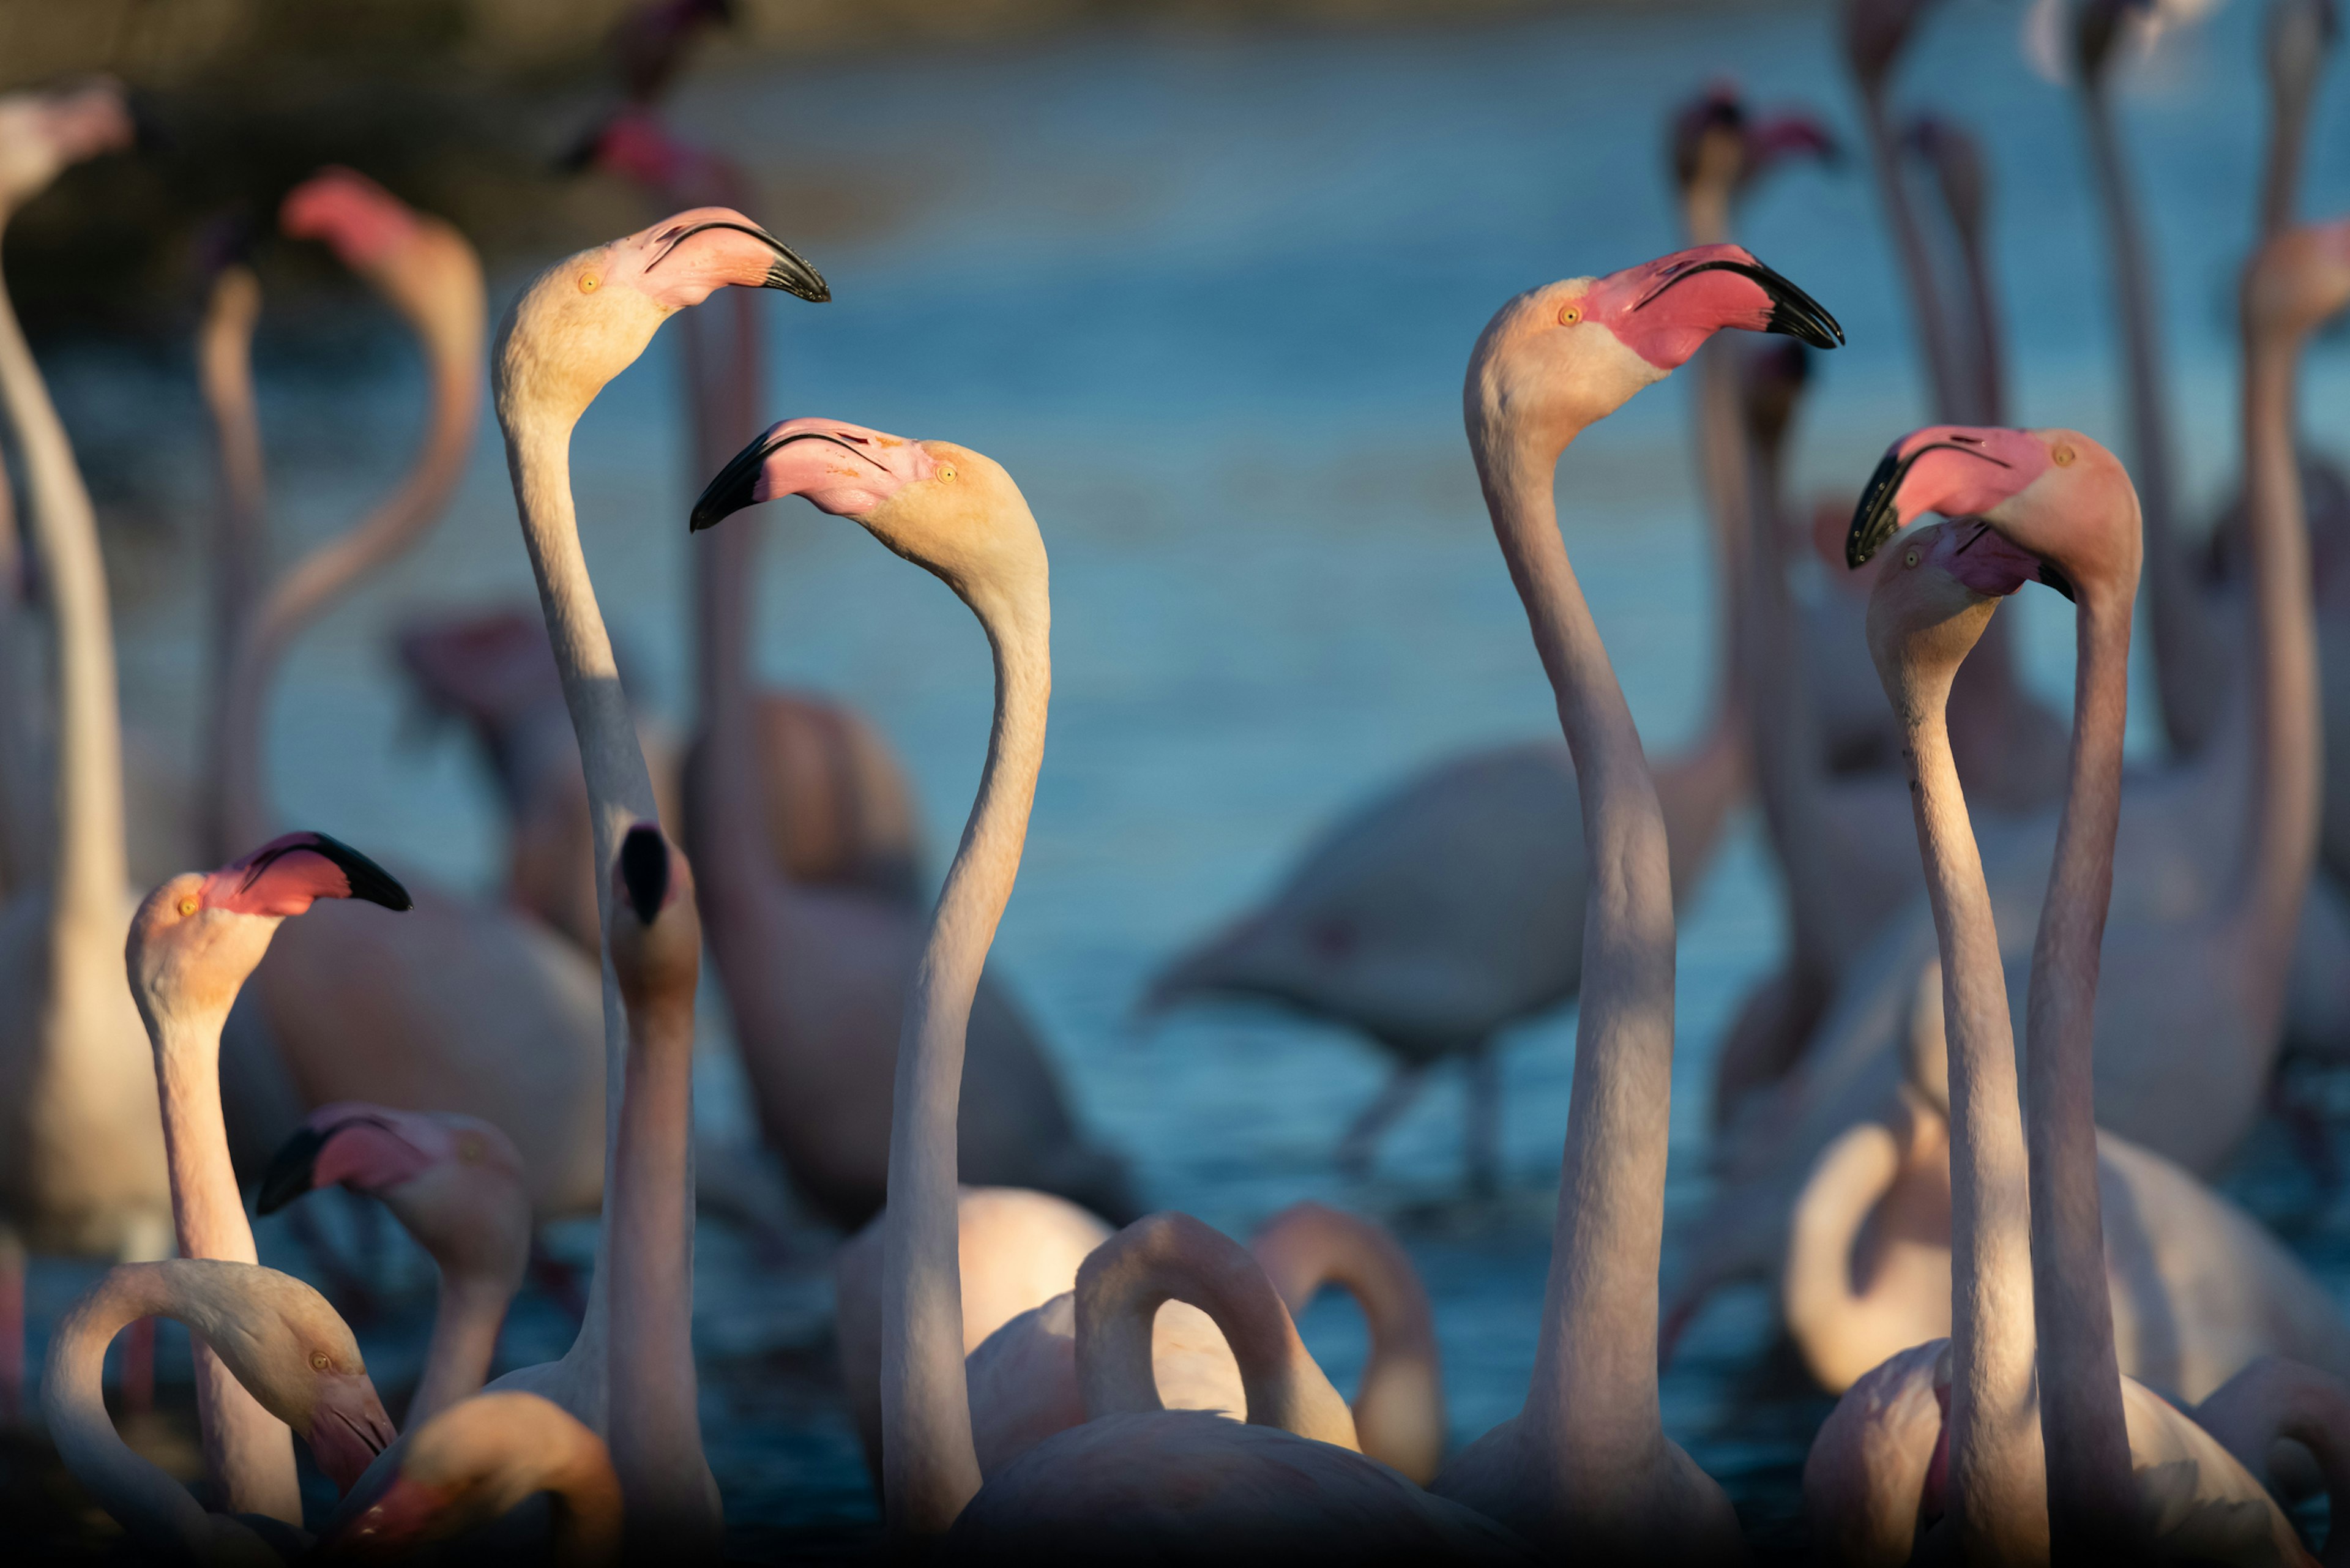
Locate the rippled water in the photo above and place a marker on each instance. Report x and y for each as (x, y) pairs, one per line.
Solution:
(1208, 298)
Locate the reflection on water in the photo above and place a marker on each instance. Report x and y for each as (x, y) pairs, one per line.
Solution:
(1208, 299)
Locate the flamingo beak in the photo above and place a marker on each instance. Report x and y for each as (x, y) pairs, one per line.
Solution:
(349, 1428)
(843, 469)
(785, 268)
(291, 1170)
(401, 1516)
(644, 871)
(1956, 470)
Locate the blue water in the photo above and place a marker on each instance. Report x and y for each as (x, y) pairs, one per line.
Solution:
(1208, 297)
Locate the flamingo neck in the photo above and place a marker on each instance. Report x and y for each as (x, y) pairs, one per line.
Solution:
(655, 1424)
(2289, 104)
(159, 1512)
(469, 1311)
(1936, 342)
(1823, 1311)
(88, 868)
(619, 794)
(1996, 1473)
(2187, 647)
(2282, 805)
(2091, 1499)
(224, 369)
(248, 1449)
(1174, 1258)
(1593, 1392)
(930, 1467)
(727, 803)
(315, 581)
(1399, 1409)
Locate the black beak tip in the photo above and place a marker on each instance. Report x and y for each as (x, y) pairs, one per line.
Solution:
(2056, 579)
(733, 487)
(1874, 521)
(801, 282)
(367, 880)
(289, 1172)
(644, 870)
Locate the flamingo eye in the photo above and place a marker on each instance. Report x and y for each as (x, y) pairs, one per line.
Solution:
(188, 905)
(946, 471)
(2060, 455)
(588, 282)
(1568, 315)
(320, 1361)
(1911, 559)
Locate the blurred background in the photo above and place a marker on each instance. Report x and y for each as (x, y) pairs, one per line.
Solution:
(1203, 276)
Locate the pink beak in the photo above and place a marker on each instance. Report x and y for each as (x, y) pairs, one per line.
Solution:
(286, 874)
(362, 221)
(844, 469)
(1664, 310)
(703, 249)
(1959, 471)
(349, 1429)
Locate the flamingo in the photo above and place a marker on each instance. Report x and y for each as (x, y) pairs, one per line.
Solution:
(818, 980)
(464, 1007)
(456, 1184)
(2274, 1402)
(1450, 907)
(81, 1148)
(281, 1340)
(193, 942)
(1021, 1252)
(1287, 1483)
(476, 1461)
(629, 1375)
(2119, 1467)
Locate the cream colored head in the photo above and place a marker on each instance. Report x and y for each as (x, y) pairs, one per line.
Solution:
(195, 938)
(44, 133)
(944, 507)
(585, 320)
(476, 1461)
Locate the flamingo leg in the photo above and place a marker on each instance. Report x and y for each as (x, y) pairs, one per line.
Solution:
(1356, 1149)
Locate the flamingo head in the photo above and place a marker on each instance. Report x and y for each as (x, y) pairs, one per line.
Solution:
(45, 132)
(1567, 354)
(1930, 604)
(196, 938)
(586, 318)
(2060, 499)
(638, 146)
(944, 507)
(356, 218)
(1713, 140)
(455, 1182)
(470, 1465)
(2298, 280)
(295, 1355)
(491, 668)
(655, 933)
(425, 268)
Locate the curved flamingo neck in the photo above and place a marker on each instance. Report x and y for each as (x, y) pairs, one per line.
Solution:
(1173, 1258)
(2186, 644)
(88, 871)
(1593, 1392)
(1822, 1306)
(1996, 1472)
(2091, 1497)
(224, 369)
(930, 1467)
(313, 583)
(249, 1450)
(1936, 339)
(2281, 807)
(1305, 1250)
(158, 1511)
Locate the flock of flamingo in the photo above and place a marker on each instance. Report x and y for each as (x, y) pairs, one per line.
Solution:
(1028, 1377)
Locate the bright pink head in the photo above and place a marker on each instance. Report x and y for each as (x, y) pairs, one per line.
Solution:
(286, 874)
(636, 145)
(368, 1148)
(1959, 471)
(361, 221)
(844, 469)
(1664, 310)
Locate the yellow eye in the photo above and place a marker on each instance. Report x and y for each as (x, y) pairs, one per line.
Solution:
(1568, 315)
(946, 471)
(1911, 559)
(469, 1149)
(320, 1361)
(2060, 455)
(588, 282)
(188, 906)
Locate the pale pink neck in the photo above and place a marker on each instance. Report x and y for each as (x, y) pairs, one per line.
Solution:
(655, 1424)
(1997, 1486)
(1936, 340)
(1172, 1257)
(930, 1467)
(2281, 807)
(2187, 647)
(225, 371)
(159, 1512)
(1594, 1390)
(1823, 1309)
(2289, 103)
(620, 794)
(247, 1448)
(466, 1319)
(2091, 1498)
(87, 873)
(307, 587)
